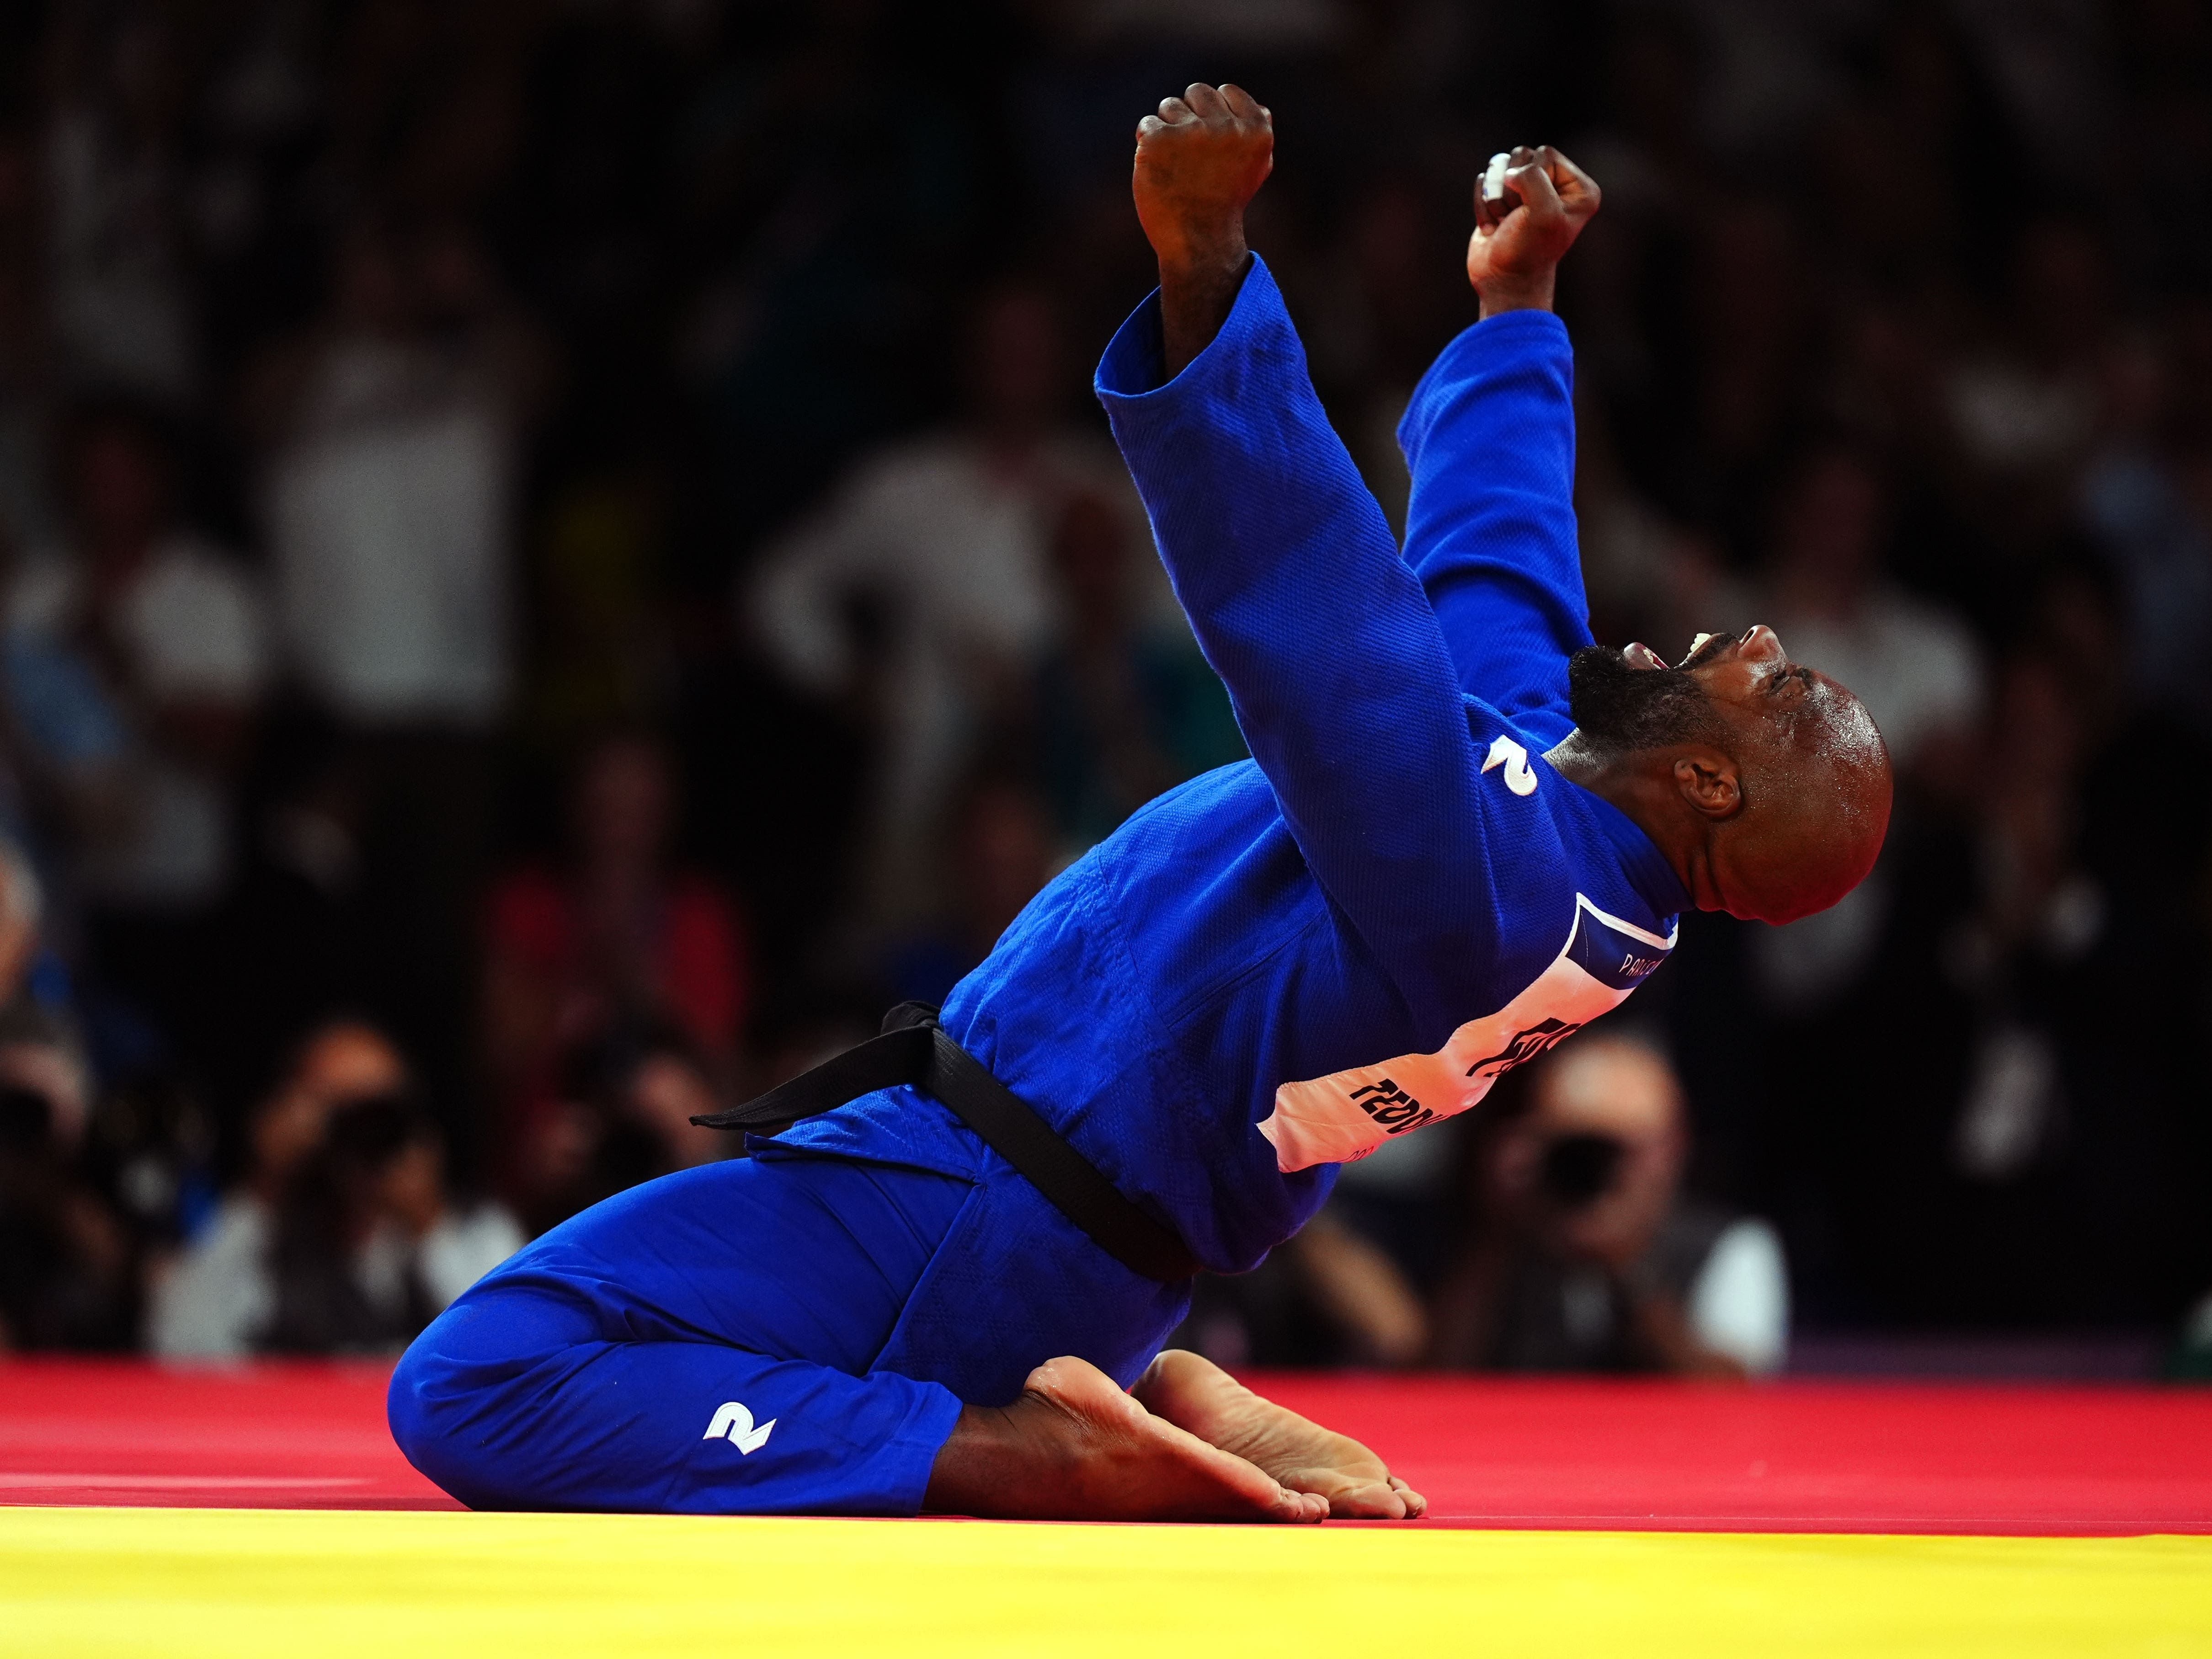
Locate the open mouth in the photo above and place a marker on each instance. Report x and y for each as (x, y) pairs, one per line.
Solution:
(1704, 648)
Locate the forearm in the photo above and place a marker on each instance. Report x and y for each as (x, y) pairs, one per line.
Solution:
(1292, 582)
(1199, 160)
(1198, 291)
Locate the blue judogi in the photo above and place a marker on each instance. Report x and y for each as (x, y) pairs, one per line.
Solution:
(1265, 973)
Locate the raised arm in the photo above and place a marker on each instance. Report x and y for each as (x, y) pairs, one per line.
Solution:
(1490, 437)
(1289, 572)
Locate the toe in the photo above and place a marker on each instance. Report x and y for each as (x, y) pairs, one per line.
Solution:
(1368, 1501)
(1303, 1507)
(1416, 1505)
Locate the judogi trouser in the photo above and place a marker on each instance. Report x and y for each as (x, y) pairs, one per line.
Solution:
(774, 1335)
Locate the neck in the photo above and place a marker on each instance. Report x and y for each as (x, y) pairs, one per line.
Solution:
(1648, 799)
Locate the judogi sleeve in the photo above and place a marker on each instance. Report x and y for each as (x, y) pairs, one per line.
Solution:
(1333, 658)
(1490, 527)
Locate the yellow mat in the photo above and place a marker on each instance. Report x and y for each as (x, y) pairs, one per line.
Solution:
(247, 1583)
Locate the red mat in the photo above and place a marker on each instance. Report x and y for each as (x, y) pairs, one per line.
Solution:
(265, 1437)
(1784, 1457)
(1795, 1457)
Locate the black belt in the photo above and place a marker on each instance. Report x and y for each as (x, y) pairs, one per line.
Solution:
(914, 1049)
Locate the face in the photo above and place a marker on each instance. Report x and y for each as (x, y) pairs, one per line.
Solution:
(1793, 781)
(347, 1061)
(342, 1063)
(1619, 1092)
(1749, 672)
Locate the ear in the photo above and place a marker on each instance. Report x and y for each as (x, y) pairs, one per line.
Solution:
(1708, 781)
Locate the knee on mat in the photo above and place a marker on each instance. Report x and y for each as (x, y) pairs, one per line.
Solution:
(421, 1407)
(444, 1416)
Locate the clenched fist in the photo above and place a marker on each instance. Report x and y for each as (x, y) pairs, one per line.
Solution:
(1512, 260)
(1199, 160)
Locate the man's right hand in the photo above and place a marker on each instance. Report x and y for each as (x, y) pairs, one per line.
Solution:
(1199, 162)
(1513, 261)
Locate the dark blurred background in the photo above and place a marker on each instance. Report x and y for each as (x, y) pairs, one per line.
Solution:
(557, 559)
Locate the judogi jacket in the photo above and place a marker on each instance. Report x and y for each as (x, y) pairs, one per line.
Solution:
(1276, 967)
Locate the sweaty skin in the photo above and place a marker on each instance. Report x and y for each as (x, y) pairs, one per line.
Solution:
(1786, 813)
(1778, 814)
(1781, 815)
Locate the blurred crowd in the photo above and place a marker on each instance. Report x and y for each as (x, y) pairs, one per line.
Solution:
(555, 559)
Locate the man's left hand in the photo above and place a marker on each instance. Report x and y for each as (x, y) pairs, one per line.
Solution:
(1513, 261)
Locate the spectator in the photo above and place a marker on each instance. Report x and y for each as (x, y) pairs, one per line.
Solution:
(369, 1246)
(68, 1270)
(218, 1298)
(1915, 667)
(391, 431)
(1126, 706)
(2145, 500)
(753, 230)
(1586, 1256)
(1828, 594)
(121, 299)
(30, 972)
(624, 1116)
(997, 853)
(947, 538)
(2041, 911)
(2023, 411)
(135, 661)
(619, 937)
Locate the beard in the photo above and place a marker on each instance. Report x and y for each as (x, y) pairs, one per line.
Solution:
(1623, 708)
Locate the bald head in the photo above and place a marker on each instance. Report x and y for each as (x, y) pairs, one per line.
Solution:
(1765, 783)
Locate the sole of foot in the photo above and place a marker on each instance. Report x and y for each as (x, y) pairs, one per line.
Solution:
(1196, 1395)
(1074, 1447)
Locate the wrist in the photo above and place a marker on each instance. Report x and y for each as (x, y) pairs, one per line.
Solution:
(1202, 255)
(1500, 295)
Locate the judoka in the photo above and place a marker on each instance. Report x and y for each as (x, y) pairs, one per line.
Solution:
(1465, 832)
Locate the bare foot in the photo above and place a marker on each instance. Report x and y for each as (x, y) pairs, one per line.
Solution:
(1075, 1447)
(1195, 1394)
